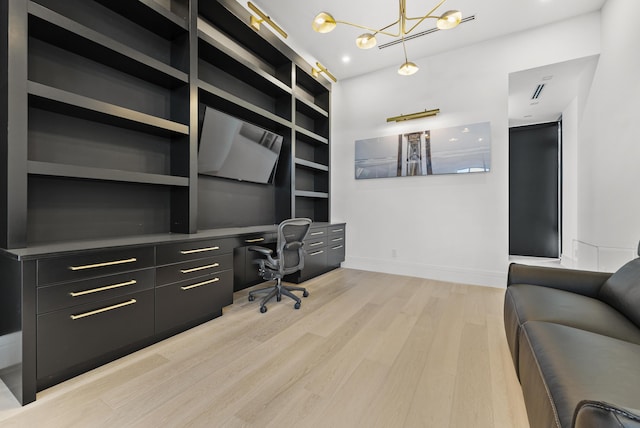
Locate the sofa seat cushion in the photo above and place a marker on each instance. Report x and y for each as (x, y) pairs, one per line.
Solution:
(561, 366)
(525, 302)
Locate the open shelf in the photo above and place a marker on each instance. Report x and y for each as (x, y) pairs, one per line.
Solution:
(311, 90)
(60, 31)
(312, 135)
(48, 98)
(152, 16)
(74, 171)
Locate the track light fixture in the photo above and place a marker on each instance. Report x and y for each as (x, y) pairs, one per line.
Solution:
(418, 115)
(324, 22)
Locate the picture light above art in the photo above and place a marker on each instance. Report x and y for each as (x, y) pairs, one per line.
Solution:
(455, 150)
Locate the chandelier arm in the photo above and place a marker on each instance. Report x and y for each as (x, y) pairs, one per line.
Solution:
(428, 15)
(373, 30)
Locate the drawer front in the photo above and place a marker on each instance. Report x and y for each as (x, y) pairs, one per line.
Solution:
(90, 264)
(192, 250)
(311, 245)
(336, 254)
(314, 262)
(258, 239)
(75, 335)
(336, 230)
(316, 233)
(193, 269)
(336, 240)
(183, 302)
(55, 297)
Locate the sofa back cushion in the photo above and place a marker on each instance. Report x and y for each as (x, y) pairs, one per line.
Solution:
(622, 291)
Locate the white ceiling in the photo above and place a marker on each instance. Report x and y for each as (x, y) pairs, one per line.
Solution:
(493, 18)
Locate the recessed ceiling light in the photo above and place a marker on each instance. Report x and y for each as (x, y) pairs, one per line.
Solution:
(346, 59)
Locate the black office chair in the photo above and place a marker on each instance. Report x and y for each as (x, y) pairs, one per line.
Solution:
(289, 259)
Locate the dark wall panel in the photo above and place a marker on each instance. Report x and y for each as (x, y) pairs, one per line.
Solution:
(533, 190)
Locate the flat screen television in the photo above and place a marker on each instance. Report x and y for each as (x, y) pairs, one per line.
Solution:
(232, 148)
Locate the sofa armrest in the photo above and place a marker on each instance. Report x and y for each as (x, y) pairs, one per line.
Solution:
(597, 414)
(583, 282)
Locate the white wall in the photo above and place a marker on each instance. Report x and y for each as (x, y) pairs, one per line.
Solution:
(609, 151)
(452, 228)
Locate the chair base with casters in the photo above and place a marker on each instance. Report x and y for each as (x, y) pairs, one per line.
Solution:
(288, 259)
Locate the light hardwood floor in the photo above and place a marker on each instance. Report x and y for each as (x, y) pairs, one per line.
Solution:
(365, 350)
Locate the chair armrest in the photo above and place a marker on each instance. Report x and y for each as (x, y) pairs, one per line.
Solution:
(583, 282)
(261, 250)
(595, 414)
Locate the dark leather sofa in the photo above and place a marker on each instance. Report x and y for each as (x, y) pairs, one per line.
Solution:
(574, 338)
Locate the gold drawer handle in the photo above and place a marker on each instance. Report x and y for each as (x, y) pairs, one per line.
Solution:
(249, 241)
(200, 284)
(316, 253)
(338, 230)
(336, 239)
(106, 287)
(97, 265)
(195, 269)
(315, 244)
(101, 310)
(337, 248)
(317, 233)
(199, 250)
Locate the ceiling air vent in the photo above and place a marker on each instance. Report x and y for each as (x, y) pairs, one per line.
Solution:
(422, 33)
(537, 92)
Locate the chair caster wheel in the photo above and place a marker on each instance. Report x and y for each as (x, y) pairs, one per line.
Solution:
(251, 298)
(279, 298)
(305, 294)
(297, 305)
(263, 309)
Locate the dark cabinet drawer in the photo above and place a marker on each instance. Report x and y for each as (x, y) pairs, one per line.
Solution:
(311, 245)
(75, 335)
(54, 297)
(336, 230)
(335, 254)
(193, 269)
(257, 239)
(191, 250)
(89, 264)
(183, 302)
(316, 233)
(315, 262)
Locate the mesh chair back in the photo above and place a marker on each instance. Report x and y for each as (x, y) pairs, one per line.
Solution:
(290, 249)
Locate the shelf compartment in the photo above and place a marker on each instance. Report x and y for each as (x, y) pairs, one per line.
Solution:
(311, 90)
(317, 209)
(125, 22)
(60, 31)
(57, 100)
(311, 165)
(63, 139)
(152, 16)
(311, 150)
(229, 103)
(61, 209)
(237, 28)
(312, 135)
(310, 109)
(74, 171)
(218, 49)
(311, 194)
(312, 180)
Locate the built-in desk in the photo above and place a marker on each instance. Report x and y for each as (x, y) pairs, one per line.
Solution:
(70, 307)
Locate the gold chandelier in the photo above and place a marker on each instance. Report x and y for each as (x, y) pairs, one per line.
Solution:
(325, 22)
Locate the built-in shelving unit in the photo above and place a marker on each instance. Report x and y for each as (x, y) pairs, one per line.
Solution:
(109, 119)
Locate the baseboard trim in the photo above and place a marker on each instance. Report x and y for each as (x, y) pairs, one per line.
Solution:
(486, 278)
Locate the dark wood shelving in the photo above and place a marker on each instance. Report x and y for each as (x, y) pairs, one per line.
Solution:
(74, 171)
(58, 30)
(310, 109)
(218, 49)
(150, 15)
(312, 135)
(311, 165)
(57, 100)
(310, 194)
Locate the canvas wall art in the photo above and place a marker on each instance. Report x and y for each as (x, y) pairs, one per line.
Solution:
(456, 150)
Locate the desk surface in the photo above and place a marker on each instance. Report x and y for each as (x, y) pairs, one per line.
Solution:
(162, 238)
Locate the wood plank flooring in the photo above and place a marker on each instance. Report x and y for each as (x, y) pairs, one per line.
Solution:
(365, 350)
